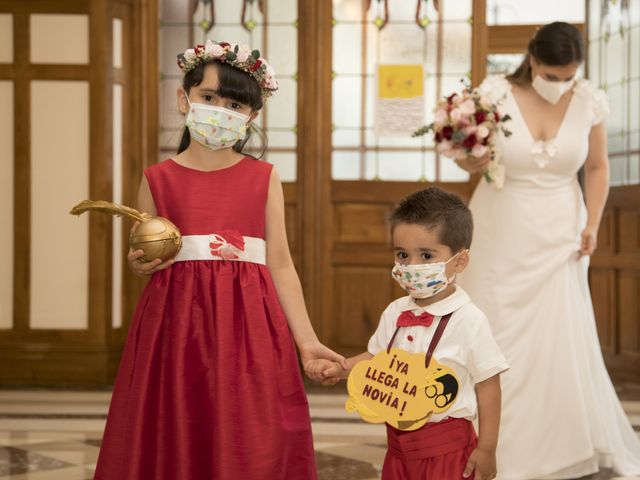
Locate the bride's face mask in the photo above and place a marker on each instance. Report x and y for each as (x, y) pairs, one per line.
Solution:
(551, 82)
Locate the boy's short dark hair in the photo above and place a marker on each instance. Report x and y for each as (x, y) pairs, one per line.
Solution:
(434, 208)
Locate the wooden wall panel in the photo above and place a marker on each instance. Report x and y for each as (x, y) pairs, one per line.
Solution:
(361, 295)
(629, 232)
(629, 295)
(80, 357)
(361, 223)
(615, 284)
(602, 282)
(607, 233)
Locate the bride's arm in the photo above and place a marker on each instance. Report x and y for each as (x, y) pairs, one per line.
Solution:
(596, 170)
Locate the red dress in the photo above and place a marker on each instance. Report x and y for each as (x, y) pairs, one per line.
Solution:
(209, 386)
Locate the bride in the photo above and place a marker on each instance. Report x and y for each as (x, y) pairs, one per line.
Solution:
(533, 238)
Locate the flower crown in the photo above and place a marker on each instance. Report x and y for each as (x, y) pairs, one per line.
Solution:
(238, 56)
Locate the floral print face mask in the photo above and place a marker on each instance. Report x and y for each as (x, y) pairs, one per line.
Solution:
(423, 280)
(215, 128)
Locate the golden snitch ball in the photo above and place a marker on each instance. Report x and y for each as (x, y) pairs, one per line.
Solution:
(156, 236)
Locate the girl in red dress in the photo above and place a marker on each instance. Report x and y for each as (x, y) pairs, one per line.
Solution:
(209, 385)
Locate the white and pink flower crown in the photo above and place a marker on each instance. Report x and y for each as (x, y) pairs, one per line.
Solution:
(238, 56)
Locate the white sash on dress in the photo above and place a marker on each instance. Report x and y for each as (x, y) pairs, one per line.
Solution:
(197, 247)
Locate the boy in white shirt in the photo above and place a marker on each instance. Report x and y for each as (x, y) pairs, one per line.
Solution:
(431, 232)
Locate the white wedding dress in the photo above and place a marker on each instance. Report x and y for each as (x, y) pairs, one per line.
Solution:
(561, 417)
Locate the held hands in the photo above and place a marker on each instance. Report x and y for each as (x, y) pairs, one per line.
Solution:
(144, 269)
(316, 357)
(473, 164)
(589, 241)
(326, 372)
(481, 464)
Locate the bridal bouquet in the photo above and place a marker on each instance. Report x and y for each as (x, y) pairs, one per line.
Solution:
(466, 124)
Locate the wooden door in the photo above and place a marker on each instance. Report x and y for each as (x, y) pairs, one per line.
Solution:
(614, 49)
(348, 179)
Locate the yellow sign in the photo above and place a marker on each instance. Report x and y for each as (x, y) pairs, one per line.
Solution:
(400, 81)
(396, 388)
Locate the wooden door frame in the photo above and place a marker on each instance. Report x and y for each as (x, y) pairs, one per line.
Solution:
(314, 155)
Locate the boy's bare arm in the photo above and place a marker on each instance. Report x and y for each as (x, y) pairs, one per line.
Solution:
(482, 461)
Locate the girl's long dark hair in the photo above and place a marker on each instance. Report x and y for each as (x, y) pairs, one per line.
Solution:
(557, 43)
(235, 85)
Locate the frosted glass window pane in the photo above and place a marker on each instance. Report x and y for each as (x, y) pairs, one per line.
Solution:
(59, 38)
(634, 43)
(6, 200)
(279, 138)
(346, 101)
(634, 140)
(398, 166)
(345, 166)
(430, 48)
(399, 43)
(282, 11)
(514, 12)
(616, 58)
(170, 116)
(285, 38)
(456, 10)
(285, 163)
(346, 138)
(232, 34)
(116, 245)
(6, 38)
(634, 104)
(617, 118)
(226, 12)
(59, 241)
(117, 43)
(399, 11)
(594, 63)
(616, 142)
(372, 140)
(450, 172)
(594, 18)
(170, 138)
(431, 99)
(175, 10)
(499, 63)
(370, 85)
(255, 41)
(450, 84)
(347, 48)
(618, 170)
(456, 53)
(347, 10)
(281, 107)
(634, 169)
(175, 40)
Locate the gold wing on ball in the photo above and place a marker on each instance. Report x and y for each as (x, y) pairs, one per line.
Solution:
(109, 207)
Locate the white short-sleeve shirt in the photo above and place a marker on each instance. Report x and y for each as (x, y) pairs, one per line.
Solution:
(467, 345)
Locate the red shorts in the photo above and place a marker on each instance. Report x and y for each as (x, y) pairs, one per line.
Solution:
(437, 451)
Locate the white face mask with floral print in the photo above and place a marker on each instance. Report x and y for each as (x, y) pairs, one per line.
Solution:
(215, 128)
(423, 280)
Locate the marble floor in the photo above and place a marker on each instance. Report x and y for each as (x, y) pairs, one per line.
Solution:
(56, 435)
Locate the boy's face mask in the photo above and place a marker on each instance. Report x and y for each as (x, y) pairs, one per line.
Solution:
(215, 128)
(423, 280)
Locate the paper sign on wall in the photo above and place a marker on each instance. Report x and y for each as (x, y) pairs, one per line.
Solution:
(399, 99)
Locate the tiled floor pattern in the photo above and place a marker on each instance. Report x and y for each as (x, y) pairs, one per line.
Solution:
(48, 435)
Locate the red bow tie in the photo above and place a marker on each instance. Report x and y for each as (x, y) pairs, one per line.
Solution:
(410, 319)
